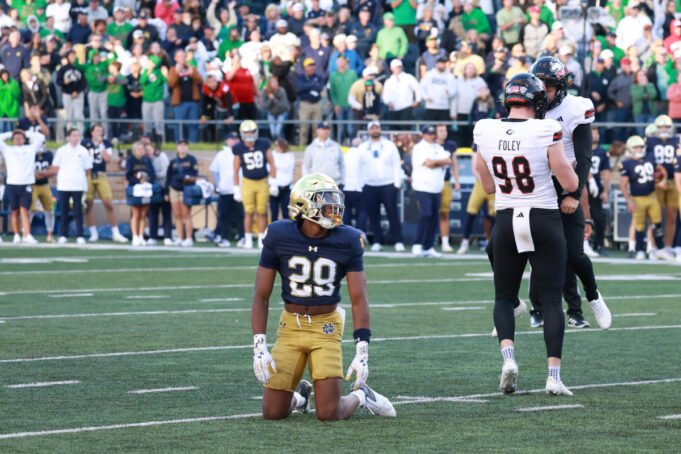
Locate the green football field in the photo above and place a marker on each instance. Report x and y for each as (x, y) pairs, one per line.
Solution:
(108, 349)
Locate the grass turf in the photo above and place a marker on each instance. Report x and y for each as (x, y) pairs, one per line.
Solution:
(418, 351)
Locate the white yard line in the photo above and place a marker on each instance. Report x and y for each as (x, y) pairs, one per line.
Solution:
(146, 297)
(550, 407)
(71, 295)
(163, 390)
(669, 417)
(469, 398)
(636, 314)
(124, 314)
(43, 384)
(249, 346)
(219, 300)
(470, 308)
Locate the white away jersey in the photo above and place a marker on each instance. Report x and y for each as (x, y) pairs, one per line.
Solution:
(516, 154)
(573, 111)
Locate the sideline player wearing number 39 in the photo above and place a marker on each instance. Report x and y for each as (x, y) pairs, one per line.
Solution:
(521, 151)
(312, 252)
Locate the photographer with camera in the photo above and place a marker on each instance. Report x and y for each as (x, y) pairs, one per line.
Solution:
(182, 172)
(140, 174)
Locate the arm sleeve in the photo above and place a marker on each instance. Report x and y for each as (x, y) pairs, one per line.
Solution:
(581, 138)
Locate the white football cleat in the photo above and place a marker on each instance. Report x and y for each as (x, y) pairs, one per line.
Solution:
(62, 240)
(247, 244)
(399, 247)
(601, 312)
(168, 242)
(431, 253)
(188, 242)
(376, 247)
(224, 243)
(94, 237)
(118, 238)
(556, 388)
(517, 313)
(508, 382)
(80, 240)
(447, 248)
(28, 239)
(664, 254)
(151, 242)
(463, 249)
(416, 249)
(376, 403)
(16, 239)
(640, 255)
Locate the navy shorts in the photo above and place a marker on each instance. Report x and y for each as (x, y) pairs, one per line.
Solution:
(20, 195)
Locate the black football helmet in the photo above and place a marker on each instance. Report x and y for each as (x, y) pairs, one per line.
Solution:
(554, 73)
(527, 90)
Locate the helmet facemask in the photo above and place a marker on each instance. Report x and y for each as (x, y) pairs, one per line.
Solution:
(324, 207)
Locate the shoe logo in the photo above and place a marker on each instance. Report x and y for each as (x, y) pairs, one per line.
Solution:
(559, 119)
(520, 215)
(328, 328)
(312, 248)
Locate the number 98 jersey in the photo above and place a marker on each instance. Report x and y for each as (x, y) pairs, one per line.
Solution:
(253, 160)
(516, 154)
(311, 269)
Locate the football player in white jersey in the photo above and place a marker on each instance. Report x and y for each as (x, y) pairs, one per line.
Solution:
(519, 154)
(574, 114)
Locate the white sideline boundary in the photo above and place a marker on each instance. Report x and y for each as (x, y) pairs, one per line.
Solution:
(69, 295)
(163, 390)
(346, 341)
(550, 407)
(422, 400)
(43, 384)
(669, 417)
(465, 308)
(636, 314)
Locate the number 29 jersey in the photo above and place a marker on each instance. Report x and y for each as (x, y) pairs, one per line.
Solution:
(516, 154)
(311, 269)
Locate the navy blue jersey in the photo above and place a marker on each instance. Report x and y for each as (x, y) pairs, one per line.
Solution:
(311, 269)
(253, 160)
(677, 162)
(450, 147)
(133, 166)
(97, 153)
(43, 161)
(641, 173)
(31, 125)
(663, 151)
(599, 163)
(179, 168)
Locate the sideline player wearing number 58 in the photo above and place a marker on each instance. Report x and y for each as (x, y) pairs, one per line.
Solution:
(312, 252)
(518, 155)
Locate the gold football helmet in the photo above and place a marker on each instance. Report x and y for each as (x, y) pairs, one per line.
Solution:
(248, 131)
(636, 146)
(651, 130)
(665, 126)
(316, 197)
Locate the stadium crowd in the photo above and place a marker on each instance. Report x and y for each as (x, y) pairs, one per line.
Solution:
(154, 71)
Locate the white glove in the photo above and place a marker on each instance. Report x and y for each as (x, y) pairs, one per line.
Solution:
(593, 188)
(262, 360)
(360, 365)
(274, 190)
(237, 194)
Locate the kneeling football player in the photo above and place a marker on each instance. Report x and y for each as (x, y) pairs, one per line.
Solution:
(312, 252)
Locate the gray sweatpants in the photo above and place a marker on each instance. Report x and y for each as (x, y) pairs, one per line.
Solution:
(74, 108)
(98, 108)
(152, 116)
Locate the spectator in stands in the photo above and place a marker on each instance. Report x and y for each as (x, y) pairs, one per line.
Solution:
(405, 15)
(19, 161)
(365, 31)
(674, 95)
(182, 172)
(184, 82)
(14, 55)
(296, 20)
(619, 93)
(598, 84)
(324, 155)
(340, 48)
(332, 26)
(630, 28)
(473, 18)
(96, 73)
(283, 41)
(115, 98)
(672, 43)
(510, 20)
(430, 56)
(242, 86)
(229, 211)
(566, 55)
(60, 11)
(425, 27)
(364, 96)
(316, 52)
(375, 60)
(439, 90)
(216, 103)
(10, 97)
(468, 88)
(309, 86)
(285, 162)
(73, 85)
(96, 12)
(139, 171)
(160, 162)
(382, 178)
(72, 164)
(119, 28)
(465, 56)
(401, 94)
(315, 14)
(430, 162)
(149, 32)
(392, 41)
(276, 105)
(153, 82)
(340, 82)
(643, 96)
(534, 32)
